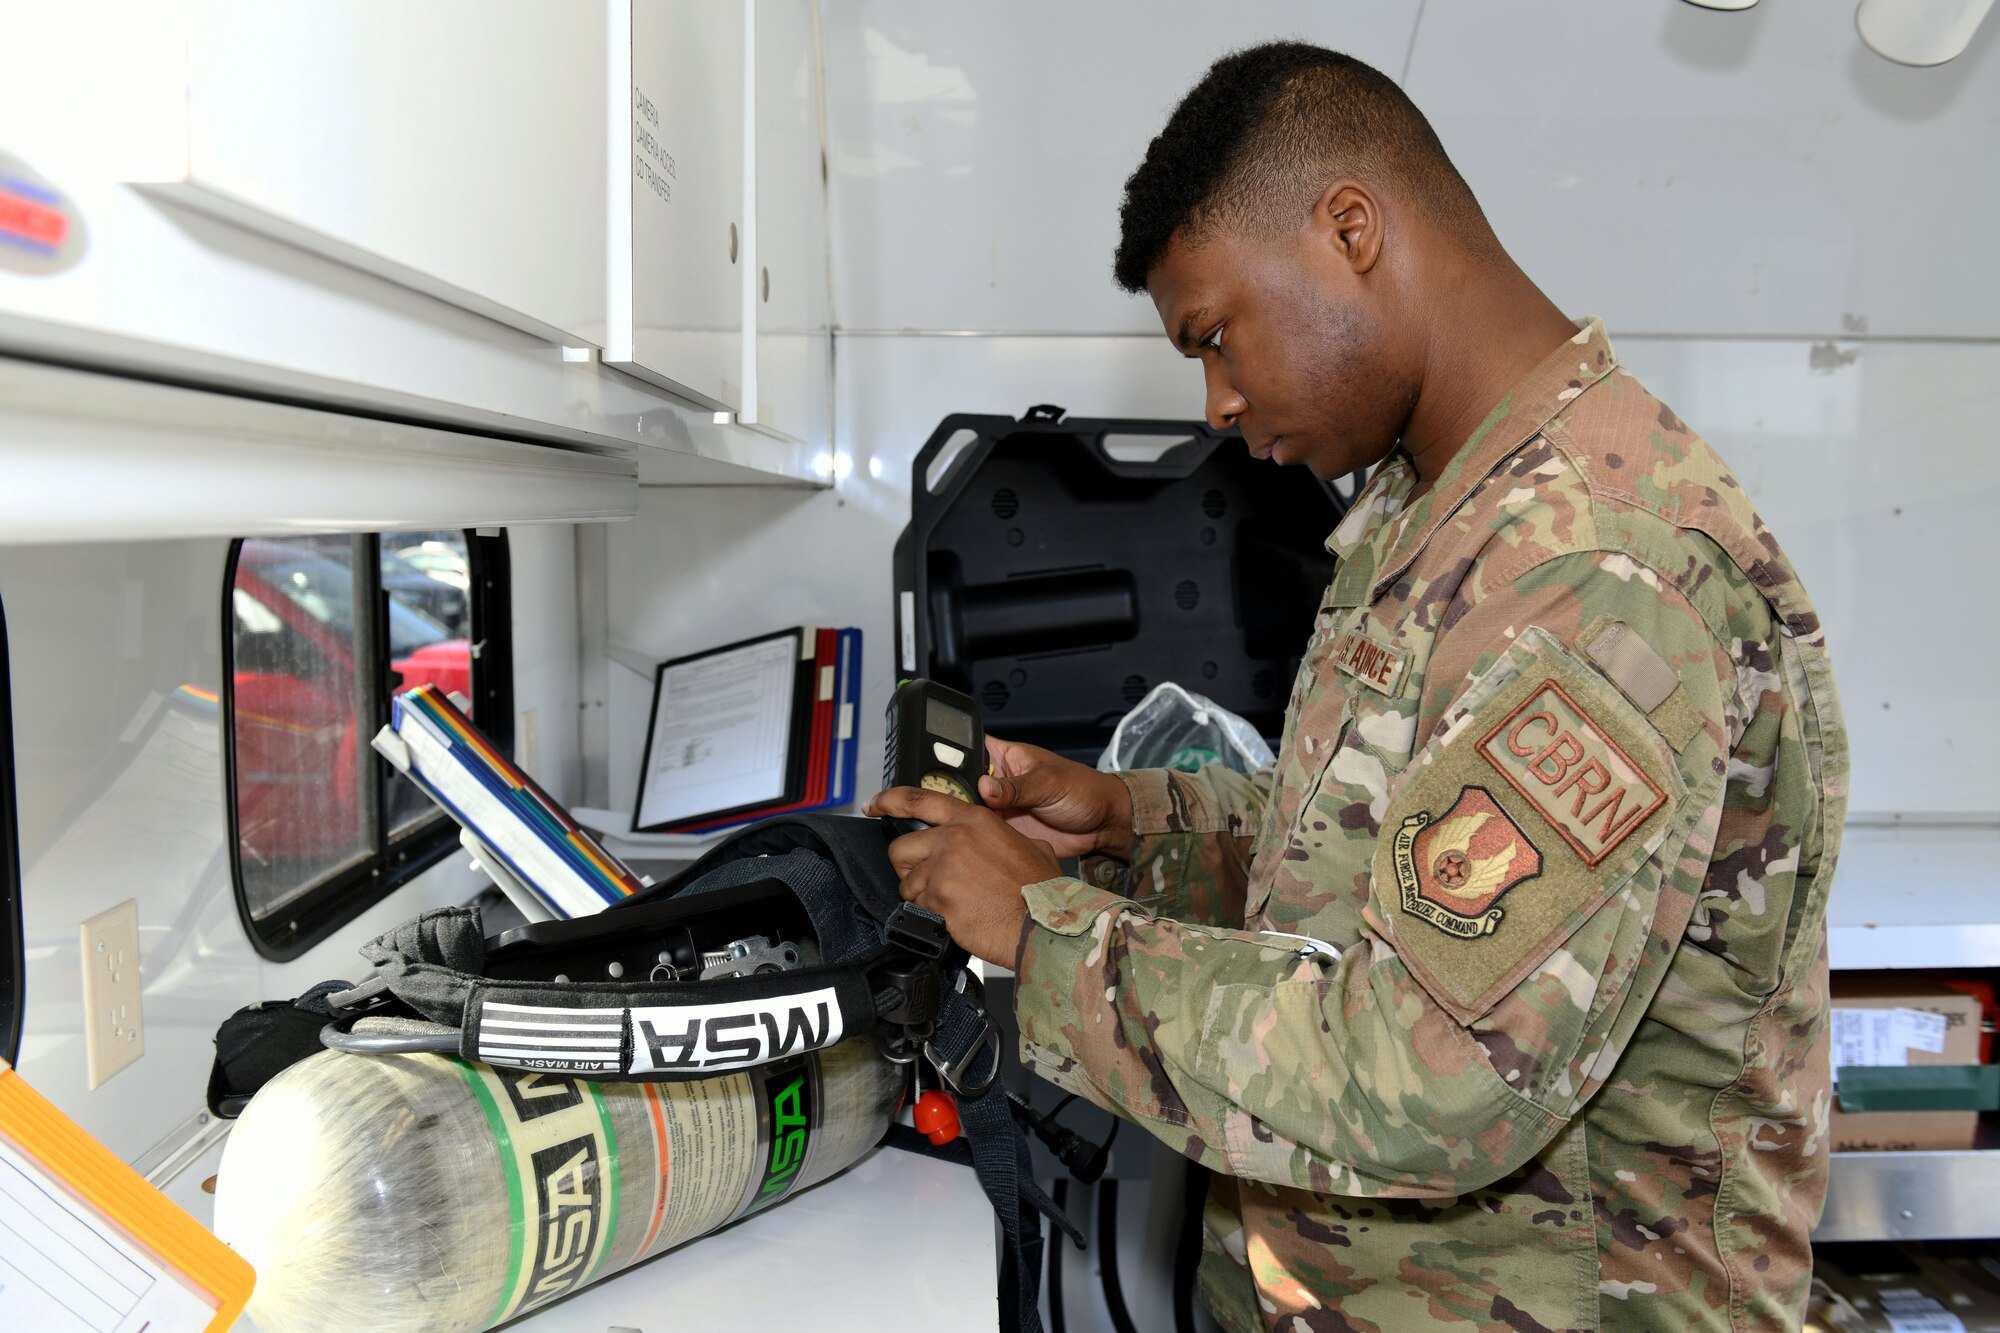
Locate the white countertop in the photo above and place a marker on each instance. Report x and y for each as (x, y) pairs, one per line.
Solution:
(895, 1242)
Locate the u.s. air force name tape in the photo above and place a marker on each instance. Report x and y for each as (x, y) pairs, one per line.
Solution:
(655, 1040)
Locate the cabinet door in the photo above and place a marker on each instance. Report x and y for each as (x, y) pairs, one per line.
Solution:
(680, 259)
(454, 145)
(793, 360)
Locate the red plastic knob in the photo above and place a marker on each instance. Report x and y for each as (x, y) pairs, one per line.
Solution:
(936, 1117)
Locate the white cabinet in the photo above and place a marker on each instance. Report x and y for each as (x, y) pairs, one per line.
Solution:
(680, 244)
(791, 347)
(335, 200)
(455, 146)
(718, 211)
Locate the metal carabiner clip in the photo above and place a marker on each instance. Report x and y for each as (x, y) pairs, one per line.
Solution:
(953, 1071)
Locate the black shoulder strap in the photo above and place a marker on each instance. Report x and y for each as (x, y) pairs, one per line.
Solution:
(858, 849)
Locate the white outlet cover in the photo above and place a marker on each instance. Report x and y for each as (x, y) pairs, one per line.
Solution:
(114, 1033)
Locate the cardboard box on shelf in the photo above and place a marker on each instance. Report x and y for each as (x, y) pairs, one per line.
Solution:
(1905, 1131)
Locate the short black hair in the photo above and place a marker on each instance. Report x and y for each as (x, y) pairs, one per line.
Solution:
(1255, 142)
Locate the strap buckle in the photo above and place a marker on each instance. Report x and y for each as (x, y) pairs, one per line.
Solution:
(953, 1072)
(918, 930)
(910, 988)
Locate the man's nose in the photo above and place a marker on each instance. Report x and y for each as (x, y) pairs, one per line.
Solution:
(1225, 405)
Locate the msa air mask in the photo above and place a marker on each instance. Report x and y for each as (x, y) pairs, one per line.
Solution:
(786, 939)
(781, 974)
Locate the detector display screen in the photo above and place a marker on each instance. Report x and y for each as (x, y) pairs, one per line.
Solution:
(953, 724)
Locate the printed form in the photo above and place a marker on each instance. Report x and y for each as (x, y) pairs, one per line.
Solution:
(722, 732)
(64, 1270)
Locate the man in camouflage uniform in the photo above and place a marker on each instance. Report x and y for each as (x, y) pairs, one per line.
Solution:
(1501, 1002)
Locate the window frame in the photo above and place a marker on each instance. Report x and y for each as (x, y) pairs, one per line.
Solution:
(13, 955)
(395, 859)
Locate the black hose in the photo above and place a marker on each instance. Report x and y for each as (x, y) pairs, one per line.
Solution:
(1059, 1195)
(1107, 1256)
(1187, 1250)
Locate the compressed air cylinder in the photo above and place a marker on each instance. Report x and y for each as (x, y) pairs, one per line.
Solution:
(426, 1194)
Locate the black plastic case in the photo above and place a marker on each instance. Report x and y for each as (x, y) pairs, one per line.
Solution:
(1057, 570)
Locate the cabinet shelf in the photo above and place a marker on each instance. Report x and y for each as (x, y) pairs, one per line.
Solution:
(1915, 1195)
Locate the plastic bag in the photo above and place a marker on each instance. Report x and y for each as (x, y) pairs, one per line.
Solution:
(1176, 728)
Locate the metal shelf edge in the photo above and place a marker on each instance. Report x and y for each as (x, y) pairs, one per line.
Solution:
(1912, 1196)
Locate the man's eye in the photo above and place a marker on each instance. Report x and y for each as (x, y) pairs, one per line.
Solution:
(1214, 340)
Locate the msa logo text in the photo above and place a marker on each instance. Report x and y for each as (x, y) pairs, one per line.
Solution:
(711, 1037)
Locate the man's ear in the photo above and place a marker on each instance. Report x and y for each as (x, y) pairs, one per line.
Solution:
(1347, 220)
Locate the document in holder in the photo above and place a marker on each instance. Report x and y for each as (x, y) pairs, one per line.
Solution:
(818, 748)
(729, 731)
(87, 1246)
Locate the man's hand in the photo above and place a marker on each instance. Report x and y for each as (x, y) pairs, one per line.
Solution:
(1072, 807)
(968, 867)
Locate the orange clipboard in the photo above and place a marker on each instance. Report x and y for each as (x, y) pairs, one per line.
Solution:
(94, 1246)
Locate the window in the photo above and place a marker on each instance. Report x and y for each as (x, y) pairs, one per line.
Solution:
(324, 632)
(12, 965)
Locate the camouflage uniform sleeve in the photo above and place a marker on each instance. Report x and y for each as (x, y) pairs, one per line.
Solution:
(1512, 941)
(1191, 840)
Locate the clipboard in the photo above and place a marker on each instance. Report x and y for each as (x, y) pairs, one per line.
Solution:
(819, 752)
(95, 1248)
(796, 707)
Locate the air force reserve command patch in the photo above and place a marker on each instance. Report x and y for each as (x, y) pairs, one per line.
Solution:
(1452, 871)
(1540, 793)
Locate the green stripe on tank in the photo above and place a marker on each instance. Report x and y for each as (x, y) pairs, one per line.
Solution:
(510, 1167)
(613, 1199)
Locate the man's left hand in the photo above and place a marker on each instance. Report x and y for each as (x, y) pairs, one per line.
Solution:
(968, 867)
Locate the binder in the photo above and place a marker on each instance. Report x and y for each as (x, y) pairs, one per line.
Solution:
(507, 818)
(90, 1245)
(846, 740)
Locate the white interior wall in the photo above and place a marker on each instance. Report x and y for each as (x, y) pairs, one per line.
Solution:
(547, 694)
(121, 795)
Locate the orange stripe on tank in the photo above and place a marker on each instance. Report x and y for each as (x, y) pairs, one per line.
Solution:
(660, 1189)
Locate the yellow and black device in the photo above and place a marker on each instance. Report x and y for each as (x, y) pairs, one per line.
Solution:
(935, 741)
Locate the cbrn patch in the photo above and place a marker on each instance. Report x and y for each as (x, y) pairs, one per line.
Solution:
(1574, 775)
(1479, 878)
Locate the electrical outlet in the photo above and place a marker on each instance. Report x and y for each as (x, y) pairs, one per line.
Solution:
(114, 1035)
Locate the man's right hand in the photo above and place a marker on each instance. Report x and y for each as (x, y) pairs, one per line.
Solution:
(1072, 807)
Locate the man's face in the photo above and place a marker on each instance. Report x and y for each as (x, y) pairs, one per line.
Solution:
(1291, 344)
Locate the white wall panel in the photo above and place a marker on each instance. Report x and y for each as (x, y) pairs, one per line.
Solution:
(979, 151)
(1682, 170)
(546, 691)
(1677, 169)
(1873, 464)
